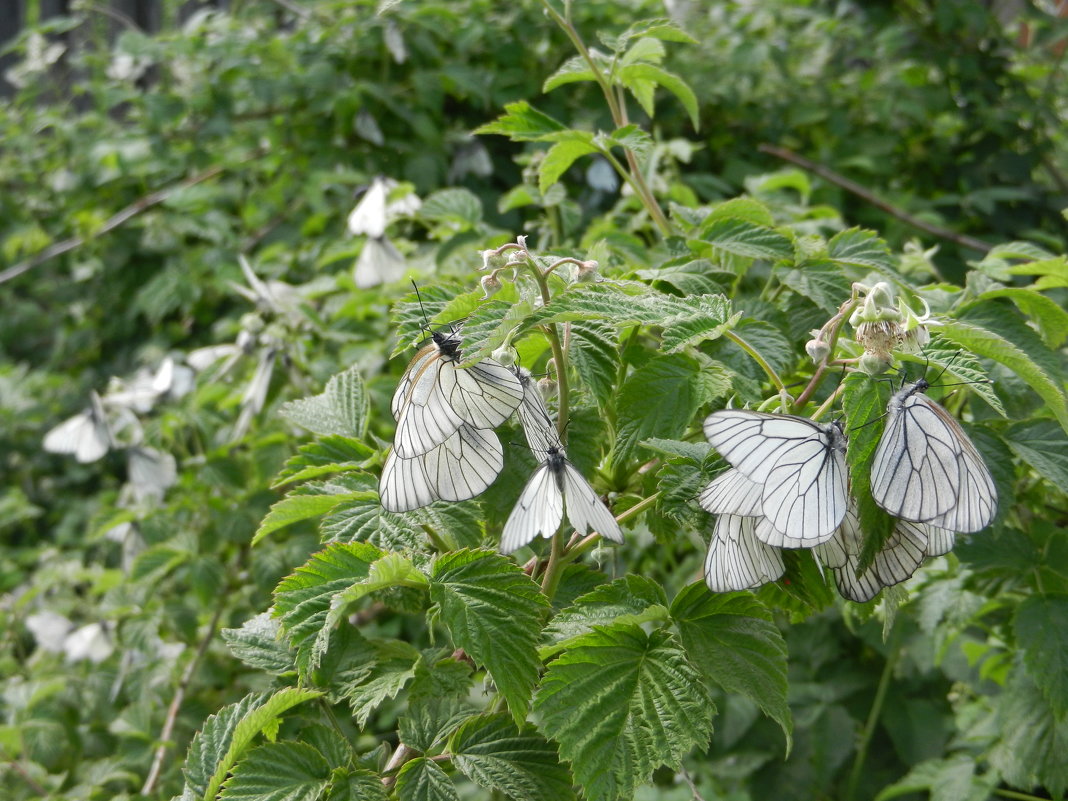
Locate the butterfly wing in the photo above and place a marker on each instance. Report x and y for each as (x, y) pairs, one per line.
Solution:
(534, 416)
(736, 559)
(425, 419)
(465, 464)
(731, 493)
(538, 511)
(927, 470)
(404, 485)
(896, 561)
(483, 395)
(585, 509)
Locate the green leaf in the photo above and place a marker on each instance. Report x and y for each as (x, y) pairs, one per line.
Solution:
(423, 780)
(707, 317)
(1048, 315)
(257, 643)
(745, 238)
(377, 671)
(278, 772)
(327, 456)
(631, 599)
(632, 138)
(310, 500)
(823, 283)
(226, 735)
(659, 399)
(1042, 633)
(620, 703)
(573, 70)
(521, 122)
(661, 28)
(453, 206)
(303, 599)
(1044, 446)
(340, 409)
(950, 779)
(594, 353)
(974, 336)
(561, 156)
(1033, 740)
(431, 720)
(364, 520)
(943, 359)
(493, 611)
(733, 641)
(856, 247)
(864, 401)
(358, 785)
(644, 71)
(741, 208)
(521, 764)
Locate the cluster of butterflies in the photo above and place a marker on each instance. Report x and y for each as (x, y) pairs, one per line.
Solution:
(788, 488)
(110, 423)
(445, 447)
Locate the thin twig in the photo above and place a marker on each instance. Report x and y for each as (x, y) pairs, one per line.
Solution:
(23, 773)
(852, 186)
(117, 219)
(176, 704)
(400, 756)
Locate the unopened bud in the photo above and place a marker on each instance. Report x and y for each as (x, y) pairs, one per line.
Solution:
(817, 350)
(547, 387)
(493, 260)
(252, 323)
(491, 285)
(873, 364)
(587, 272)
(504, 355)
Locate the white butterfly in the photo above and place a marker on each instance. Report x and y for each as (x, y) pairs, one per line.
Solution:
(375, 210)
(86, 436)
(150, 472)
(798, 465)
(538, 427)
(899, 557)
(737, 559)
(927, 470)
(540, 508)
(459, 468)
(379, 263)
(435, 397)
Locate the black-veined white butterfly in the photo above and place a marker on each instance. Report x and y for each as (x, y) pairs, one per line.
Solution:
(435, 397)
(899, 557)
(538, 427)
(737, 559)
(540, 507)
(150, 472)
(798, 464)
(926, 470)
(86, 436)
(459, 468)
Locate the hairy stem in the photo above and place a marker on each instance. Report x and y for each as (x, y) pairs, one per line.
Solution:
(758, 358)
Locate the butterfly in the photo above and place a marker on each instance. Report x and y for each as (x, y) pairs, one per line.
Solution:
(461, 467)
(737, 559)
(556, 483)
(797, 465)
(86, 435)
(435, 397)
(925, 468)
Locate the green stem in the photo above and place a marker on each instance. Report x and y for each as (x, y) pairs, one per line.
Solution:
(551, 580)
(619, 117)
(836, 323)
(873, 716)
(435, 540)
(1014, 794)
(755, 355)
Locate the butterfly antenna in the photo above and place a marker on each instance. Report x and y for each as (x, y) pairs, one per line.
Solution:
(422, 310)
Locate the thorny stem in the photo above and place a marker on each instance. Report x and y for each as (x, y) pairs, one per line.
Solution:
(619, 117)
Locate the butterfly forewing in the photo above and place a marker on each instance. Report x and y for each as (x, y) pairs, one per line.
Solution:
(465, 464)
(538, 511)
(483, 395)
(585, 509)
(731, 493)
(538, 427)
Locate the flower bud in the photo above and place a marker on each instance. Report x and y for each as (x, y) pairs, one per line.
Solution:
(817, 350)
(873, 364)
(547, 387)
(504, 355)
(491, 285)
(587, 272)
(493, 260)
